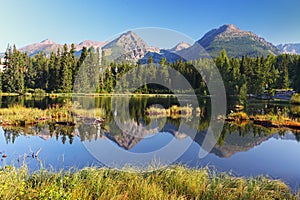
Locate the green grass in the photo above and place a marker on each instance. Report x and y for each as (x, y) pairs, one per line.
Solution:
(175, 182)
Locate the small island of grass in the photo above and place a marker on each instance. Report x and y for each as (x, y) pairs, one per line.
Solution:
(268, 120)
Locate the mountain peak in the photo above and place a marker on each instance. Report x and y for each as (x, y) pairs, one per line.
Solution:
(47, 41)
(229, 27)
(128, 45)
(180, 46)
(236, 42)
(130, 35)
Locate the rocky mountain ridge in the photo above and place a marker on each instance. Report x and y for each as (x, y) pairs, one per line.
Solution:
(129, 46)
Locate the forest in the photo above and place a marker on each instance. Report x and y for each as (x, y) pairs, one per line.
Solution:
(91, 72)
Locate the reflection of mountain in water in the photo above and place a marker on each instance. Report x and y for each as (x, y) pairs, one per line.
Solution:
(234, 143)
(134, 132)
(236, 139)
(233, 139)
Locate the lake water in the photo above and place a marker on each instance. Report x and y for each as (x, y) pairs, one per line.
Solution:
(133, 139)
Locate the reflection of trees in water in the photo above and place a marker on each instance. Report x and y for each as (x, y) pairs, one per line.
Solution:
(236, 138)
(11, 133)
(46, 131)
(115, 108)
(245, 130)
(297, 135)
(89, 132)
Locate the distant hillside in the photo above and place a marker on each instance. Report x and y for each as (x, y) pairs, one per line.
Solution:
(289, 48)
(235, 41)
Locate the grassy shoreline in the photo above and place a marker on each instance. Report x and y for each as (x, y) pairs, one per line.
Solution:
(175, 182)
(55, 95)
(69, 113)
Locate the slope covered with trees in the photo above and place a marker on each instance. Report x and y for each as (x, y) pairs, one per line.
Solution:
(92, 73)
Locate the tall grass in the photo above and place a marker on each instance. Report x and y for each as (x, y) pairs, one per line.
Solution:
(174, 111)
(176, 182)
(19, 115)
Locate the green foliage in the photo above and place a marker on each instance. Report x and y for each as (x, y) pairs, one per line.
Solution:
(92, 73)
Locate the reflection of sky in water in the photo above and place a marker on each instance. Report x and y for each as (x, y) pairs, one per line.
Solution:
(54, 153)
(276, 157)
(156, 142)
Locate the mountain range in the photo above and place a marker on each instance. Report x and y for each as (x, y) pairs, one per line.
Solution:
(129, 46)
(289, 48)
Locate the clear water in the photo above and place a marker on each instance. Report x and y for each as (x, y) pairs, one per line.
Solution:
(243, 151)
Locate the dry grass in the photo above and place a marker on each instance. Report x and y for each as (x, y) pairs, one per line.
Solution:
(20, 116)
(173, 112)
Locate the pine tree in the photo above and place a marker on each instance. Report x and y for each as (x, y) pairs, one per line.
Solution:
(66, 71)
(15, 66)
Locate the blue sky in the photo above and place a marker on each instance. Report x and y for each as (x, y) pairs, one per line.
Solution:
(67, 21)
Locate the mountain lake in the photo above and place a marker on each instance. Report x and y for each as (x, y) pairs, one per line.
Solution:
(125, 138)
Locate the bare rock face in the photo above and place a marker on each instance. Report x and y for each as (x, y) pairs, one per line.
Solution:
(129, 46)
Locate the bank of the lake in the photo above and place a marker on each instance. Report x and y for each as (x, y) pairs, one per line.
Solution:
(174, 182)
(18, 115)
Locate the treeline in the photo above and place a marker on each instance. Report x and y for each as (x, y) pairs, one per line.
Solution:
(53, 73)
(61, 71)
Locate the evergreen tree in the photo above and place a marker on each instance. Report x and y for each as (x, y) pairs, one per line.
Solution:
(66, 71)
(15, 66)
